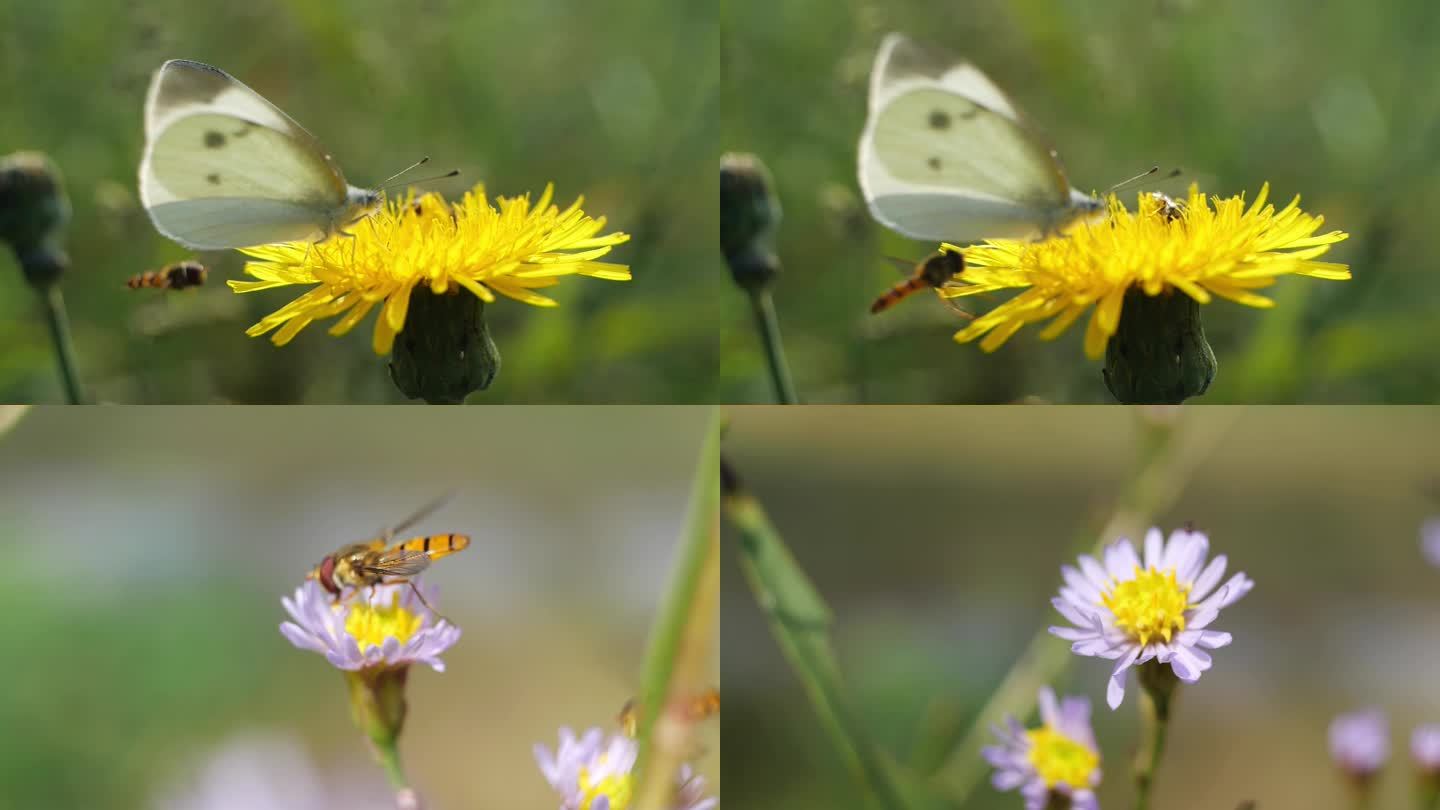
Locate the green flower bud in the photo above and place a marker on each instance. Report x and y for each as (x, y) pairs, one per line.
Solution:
(33, 209)
(445, 351)
(1158, 354)
(749, 216)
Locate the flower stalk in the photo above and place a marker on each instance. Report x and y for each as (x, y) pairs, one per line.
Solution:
(1157, 692)
(33, 210)
(377, 704)
(749, 217)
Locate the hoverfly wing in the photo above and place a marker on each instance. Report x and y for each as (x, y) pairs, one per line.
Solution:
(906, 268)
(419, 515)
(399, 562)
(954, 306)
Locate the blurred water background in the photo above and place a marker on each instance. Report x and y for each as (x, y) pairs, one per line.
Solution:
(614, 101)
(1319, 100)
(147, 551)
(937, 536)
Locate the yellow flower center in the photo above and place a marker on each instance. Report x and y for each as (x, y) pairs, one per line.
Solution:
(372, 625)
(616, 787)
(1150, 606)
(1059, 759)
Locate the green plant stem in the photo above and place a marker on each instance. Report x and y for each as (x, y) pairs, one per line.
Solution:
(676, 661)
(800, 621)
(1157, 694)
(1428, 795)
(1165, 464)
(768, 325)
(388, 754)
(53, 303)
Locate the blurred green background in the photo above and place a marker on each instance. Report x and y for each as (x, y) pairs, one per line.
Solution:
(615, 101)
(937, 538)
(147, 551)
(1321, 100)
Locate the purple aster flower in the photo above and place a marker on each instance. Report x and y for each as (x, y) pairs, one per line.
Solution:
(593, 772)
(1131, 611)
(1425, 749)
(383, 627)
(1058, 759)
(1360, 742)
(1430, 540)
(273, 771)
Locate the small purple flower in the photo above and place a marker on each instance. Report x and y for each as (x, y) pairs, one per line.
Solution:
(1425, 749)
(274, 771)
(387, 628)
(1430, 540)
(1058, 759)
(593, 772)
(1360, 742)
(1131, 611)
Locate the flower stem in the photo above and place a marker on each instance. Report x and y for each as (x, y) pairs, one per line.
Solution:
(800, 621)
(1428, 796)
(677, 663)
(1157, 692)
(54, 305)
(768, 325)
(1168, 454)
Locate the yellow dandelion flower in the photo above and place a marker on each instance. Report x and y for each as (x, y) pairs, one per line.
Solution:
(1207, 247)
(512, 250)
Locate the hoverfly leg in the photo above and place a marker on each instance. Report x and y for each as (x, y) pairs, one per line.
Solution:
(421, 597)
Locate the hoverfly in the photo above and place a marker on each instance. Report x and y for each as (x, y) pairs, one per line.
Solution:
(697, 708)
(941, 269)
(377, 562)
(177, 276)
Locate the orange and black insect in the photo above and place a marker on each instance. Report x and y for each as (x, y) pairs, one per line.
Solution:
(377, 562)
(697, 708)
(935, 271)
(177, 276)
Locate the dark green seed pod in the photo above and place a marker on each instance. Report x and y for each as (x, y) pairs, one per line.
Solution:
(33, 210)
(749, 216)
(445, 351)
(1158, 354)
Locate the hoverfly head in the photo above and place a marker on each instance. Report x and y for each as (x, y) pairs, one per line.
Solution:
(326, 575)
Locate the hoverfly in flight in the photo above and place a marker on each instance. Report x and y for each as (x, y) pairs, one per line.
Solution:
(177, 276)
(377, 562)
(938, 270)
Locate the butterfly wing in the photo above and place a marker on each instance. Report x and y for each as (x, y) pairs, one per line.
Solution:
(225, 168)
(945, 155)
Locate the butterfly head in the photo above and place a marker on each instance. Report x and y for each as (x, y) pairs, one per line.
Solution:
(362, 202)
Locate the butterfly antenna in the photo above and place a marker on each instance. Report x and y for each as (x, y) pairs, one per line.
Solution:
(1136, 178)
(422, 161)
(417, 164)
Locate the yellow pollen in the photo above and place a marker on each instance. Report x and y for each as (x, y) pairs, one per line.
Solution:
(616, 787)
(372, 625)
(1059, 759)
(1150, 606)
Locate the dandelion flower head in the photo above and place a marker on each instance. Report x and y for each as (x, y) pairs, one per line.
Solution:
(1209, 247)
(512, 248)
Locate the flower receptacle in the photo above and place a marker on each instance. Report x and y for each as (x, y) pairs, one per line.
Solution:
(445, 352)
(1158, 354)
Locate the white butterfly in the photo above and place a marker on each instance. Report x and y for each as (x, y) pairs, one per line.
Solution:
(224, 168)
(946, 156)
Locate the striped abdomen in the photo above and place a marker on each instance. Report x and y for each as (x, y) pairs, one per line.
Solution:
(898, 293)
(436, 546)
